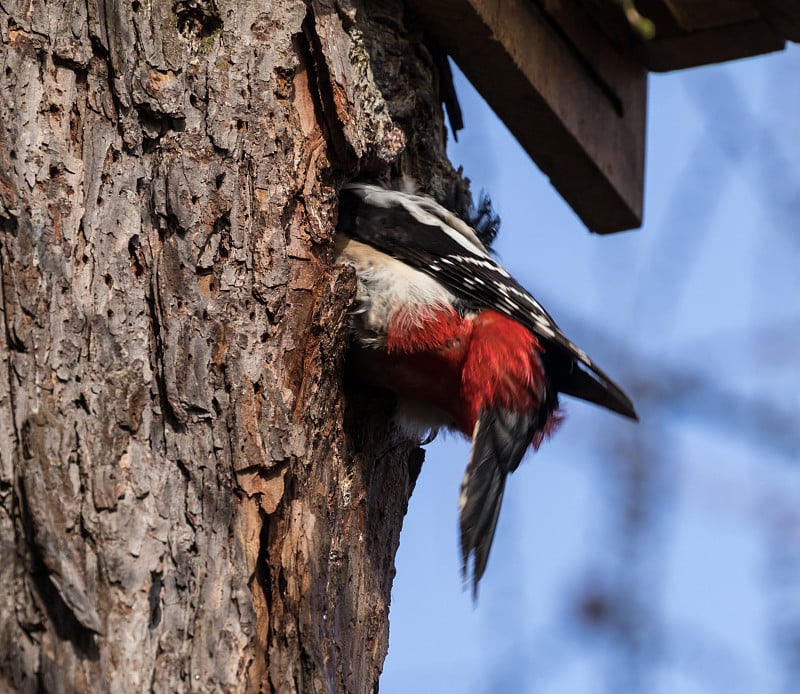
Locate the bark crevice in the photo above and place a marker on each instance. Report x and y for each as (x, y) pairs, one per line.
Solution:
(321, 90)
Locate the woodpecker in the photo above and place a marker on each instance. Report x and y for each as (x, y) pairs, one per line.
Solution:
(462, 345)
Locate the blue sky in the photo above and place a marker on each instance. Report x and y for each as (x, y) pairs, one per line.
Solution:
(697, 314)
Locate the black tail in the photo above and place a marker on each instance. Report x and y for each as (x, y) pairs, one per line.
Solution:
(499, 442)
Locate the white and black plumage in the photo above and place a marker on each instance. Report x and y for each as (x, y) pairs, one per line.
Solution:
(439, 322)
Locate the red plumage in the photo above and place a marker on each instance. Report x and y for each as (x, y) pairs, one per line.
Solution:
(462, 364)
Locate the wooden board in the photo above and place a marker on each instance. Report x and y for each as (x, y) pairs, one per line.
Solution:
(783, 15)
(734, 41)
(571, 100)
(707, 14)
(690, 33)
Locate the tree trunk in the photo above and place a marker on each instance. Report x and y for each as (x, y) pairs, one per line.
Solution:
(188, 501)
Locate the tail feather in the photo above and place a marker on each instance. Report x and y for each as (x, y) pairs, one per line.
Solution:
(499, 442)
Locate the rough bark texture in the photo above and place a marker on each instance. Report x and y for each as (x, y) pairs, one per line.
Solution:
(187, 499)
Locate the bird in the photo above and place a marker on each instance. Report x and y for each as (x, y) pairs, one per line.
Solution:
(461, 344)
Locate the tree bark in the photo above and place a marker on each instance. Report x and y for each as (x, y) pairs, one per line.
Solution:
(192, 495)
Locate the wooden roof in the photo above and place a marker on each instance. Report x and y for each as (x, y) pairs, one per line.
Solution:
(690, 33)
(569, 78)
